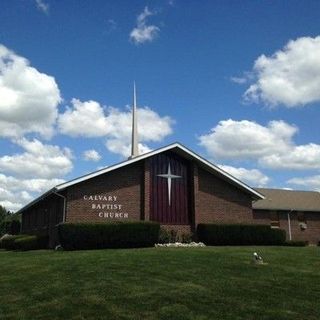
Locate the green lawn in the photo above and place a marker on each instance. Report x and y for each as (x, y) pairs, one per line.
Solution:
(203, 283)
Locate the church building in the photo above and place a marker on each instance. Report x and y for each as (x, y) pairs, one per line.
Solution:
(171, 185)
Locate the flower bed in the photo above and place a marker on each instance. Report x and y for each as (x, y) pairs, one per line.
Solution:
(180, 245)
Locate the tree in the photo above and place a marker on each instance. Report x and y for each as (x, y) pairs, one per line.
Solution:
(9, 222)
(3, 213)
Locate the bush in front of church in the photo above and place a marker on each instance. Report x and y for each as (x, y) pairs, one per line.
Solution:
(240, 234)
(79, 236)
(31, 242)
(172, 236)
(24, 242)
(8, 241)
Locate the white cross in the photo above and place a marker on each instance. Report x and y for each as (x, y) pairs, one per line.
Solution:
(169, 178)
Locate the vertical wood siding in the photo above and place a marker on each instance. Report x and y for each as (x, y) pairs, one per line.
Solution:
(160, 210)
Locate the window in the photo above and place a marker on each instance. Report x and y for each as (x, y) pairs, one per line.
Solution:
(274, 219)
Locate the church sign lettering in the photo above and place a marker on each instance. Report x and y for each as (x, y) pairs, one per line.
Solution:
(106, 206)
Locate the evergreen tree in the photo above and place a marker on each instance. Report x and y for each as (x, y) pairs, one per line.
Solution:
(9, 222)
(3, 215)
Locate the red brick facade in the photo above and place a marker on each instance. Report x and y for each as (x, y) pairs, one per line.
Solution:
(217, 201)
(120, 191)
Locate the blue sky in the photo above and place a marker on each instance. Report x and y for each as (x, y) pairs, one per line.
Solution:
(236, 81)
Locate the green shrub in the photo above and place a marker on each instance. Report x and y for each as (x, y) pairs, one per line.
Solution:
(171, 236)
(1, 238)
(239, 234)
(77, 236)
(31, 242)
(168, 236)
(186, 237)
(164, 236)
(8, 242)
(26, 243)
(296, 243)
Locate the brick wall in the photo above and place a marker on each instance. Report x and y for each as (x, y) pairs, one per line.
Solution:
(261, 217)
(311, 234)
(217, 201)
(146, 209)
(122, 189)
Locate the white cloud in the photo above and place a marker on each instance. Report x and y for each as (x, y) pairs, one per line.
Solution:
(89, 119)
(91, 155)
(6, 195)
(290, 77)
(272, 146)
(304, 157)
(239, 80)
(11, 206)
(38, 161)
(123, 148)
(15, 192)
(311, 183)
(247, 139)
(31, 185)
(42, 6)
(29, 99)
(142, 32)
(35, 171)
(85, 119)
(250, 176)
(151, 127)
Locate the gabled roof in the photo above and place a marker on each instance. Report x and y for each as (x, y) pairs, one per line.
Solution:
(287, 200)
(177, 148)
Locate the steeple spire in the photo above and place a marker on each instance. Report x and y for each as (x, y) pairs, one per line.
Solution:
(134, 142)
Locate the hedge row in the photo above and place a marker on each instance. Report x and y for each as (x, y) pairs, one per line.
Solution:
(296, 243)
(32, 243)
(24, 242)
(240, 234)
(77, 236)
(7, 242)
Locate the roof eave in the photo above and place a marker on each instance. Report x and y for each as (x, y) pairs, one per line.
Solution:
(235, 181)
(225, 174)
(114, 167)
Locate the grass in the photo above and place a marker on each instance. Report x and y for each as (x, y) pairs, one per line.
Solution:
(199, 283)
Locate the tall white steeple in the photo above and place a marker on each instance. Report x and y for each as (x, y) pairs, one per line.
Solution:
(134, 142)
